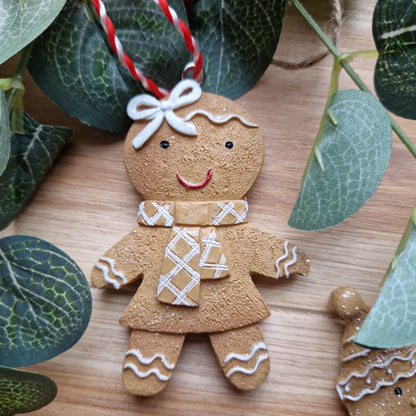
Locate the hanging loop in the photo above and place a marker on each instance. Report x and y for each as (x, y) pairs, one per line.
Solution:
(190, 66)
(170, 14)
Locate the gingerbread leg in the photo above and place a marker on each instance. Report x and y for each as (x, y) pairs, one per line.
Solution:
(150, 361)
(242, 355)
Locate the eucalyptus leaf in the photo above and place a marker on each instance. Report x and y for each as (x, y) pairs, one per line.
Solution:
(32, 155)
(45, 301)
(4, 133)
(391, 322)
(24, 391)
(22, 22)
(394, 32)
(76, 68)
(352, 157)
(238, 40)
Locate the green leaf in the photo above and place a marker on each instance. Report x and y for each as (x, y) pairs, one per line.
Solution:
(391, 322)
(22, 22)
(45, 301)
(76, 68)
(238, 40)
(4, 133)
(24, 391)
(32, 155)
(394, 32)
(353, 156)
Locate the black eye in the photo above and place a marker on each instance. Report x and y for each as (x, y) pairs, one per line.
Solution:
(398, 391)
(164, 144)
(229, 145)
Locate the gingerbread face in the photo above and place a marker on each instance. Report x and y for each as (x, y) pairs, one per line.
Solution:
(221, 161)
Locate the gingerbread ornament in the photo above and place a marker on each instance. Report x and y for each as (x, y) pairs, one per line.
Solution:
(372, 382)
(192, 157)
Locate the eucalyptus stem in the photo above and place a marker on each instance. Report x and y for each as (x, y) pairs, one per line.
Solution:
(359, 54)
(18, 74)
(343, 61)
(326, 118)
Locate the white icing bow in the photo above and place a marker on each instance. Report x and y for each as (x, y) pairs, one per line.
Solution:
(157, 111)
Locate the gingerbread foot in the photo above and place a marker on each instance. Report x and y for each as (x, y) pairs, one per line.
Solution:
(150, 361)
(242, 355)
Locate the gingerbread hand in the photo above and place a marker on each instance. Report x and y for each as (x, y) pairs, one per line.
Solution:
(126, 261)
(269, 255)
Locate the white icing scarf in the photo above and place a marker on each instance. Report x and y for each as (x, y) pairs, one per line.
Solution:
(193, 252)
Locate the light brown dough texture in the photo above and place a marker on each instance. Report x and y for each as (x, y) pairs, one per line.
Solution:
(213, 289)
(372, 382)
(153, 169)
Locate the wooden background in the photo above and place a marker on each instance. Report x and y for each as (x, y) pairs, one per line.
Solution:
(86, 204)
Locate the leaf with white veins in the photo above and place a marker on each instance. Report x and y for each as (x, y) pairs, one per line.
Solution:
(349, 163)
(24, 391)
(391, 322)
(238, 40)
(22, 22)
(32, 155)
(394, 32)
(45, 301)
(76, 68)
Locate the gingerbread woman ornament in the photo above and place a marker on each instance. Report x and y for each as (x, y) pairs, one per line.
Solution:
(192, 158)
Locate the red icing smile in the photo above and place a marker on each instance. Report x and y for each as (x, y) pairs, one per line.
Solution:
(191, 185)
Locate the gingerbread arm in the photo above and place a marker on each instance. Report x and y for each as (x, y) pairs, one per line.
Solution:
(273, 257)
(123, 263)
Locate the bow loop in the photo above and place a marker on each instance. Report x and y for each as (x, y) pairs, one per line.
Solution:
(149, 104)
(180, 99)
(146, 107)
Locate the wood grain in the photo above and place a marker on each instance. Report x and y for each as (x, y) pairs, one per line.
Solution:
(86, 204)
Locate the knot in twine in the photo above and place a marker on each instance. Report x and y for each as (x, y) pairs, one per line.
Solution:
(147, 107)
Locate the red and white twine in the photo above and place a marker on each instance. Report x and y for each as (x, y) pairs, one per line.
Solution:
(170, 14)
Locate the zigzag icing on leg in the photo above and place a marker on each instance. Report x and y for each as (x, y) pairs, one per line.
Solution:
(246, 357)
(139, 374)
(248, 371)
(149, 360)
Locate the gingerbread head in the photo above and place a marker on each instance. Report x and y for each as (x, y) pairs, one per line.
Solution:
(192, 157)
(372, 382)
(192, 146)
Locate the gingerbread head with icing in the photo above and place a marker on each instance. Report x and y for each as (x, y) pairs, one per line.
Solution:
(192, 157)
(372, 382)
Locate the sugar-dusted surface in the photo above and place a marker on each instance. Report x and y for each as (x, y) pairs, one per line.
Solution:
(86, 204)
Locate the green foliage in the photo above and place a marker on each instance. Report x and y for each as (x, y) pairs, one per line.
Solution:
(76, 68)
(22, 22)
(351, 158)
(24, 391)
(74, 65)
(394, 32)
(238, 40)
(4, 133)
(45, 301)
(391, 322)
(32, 155)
